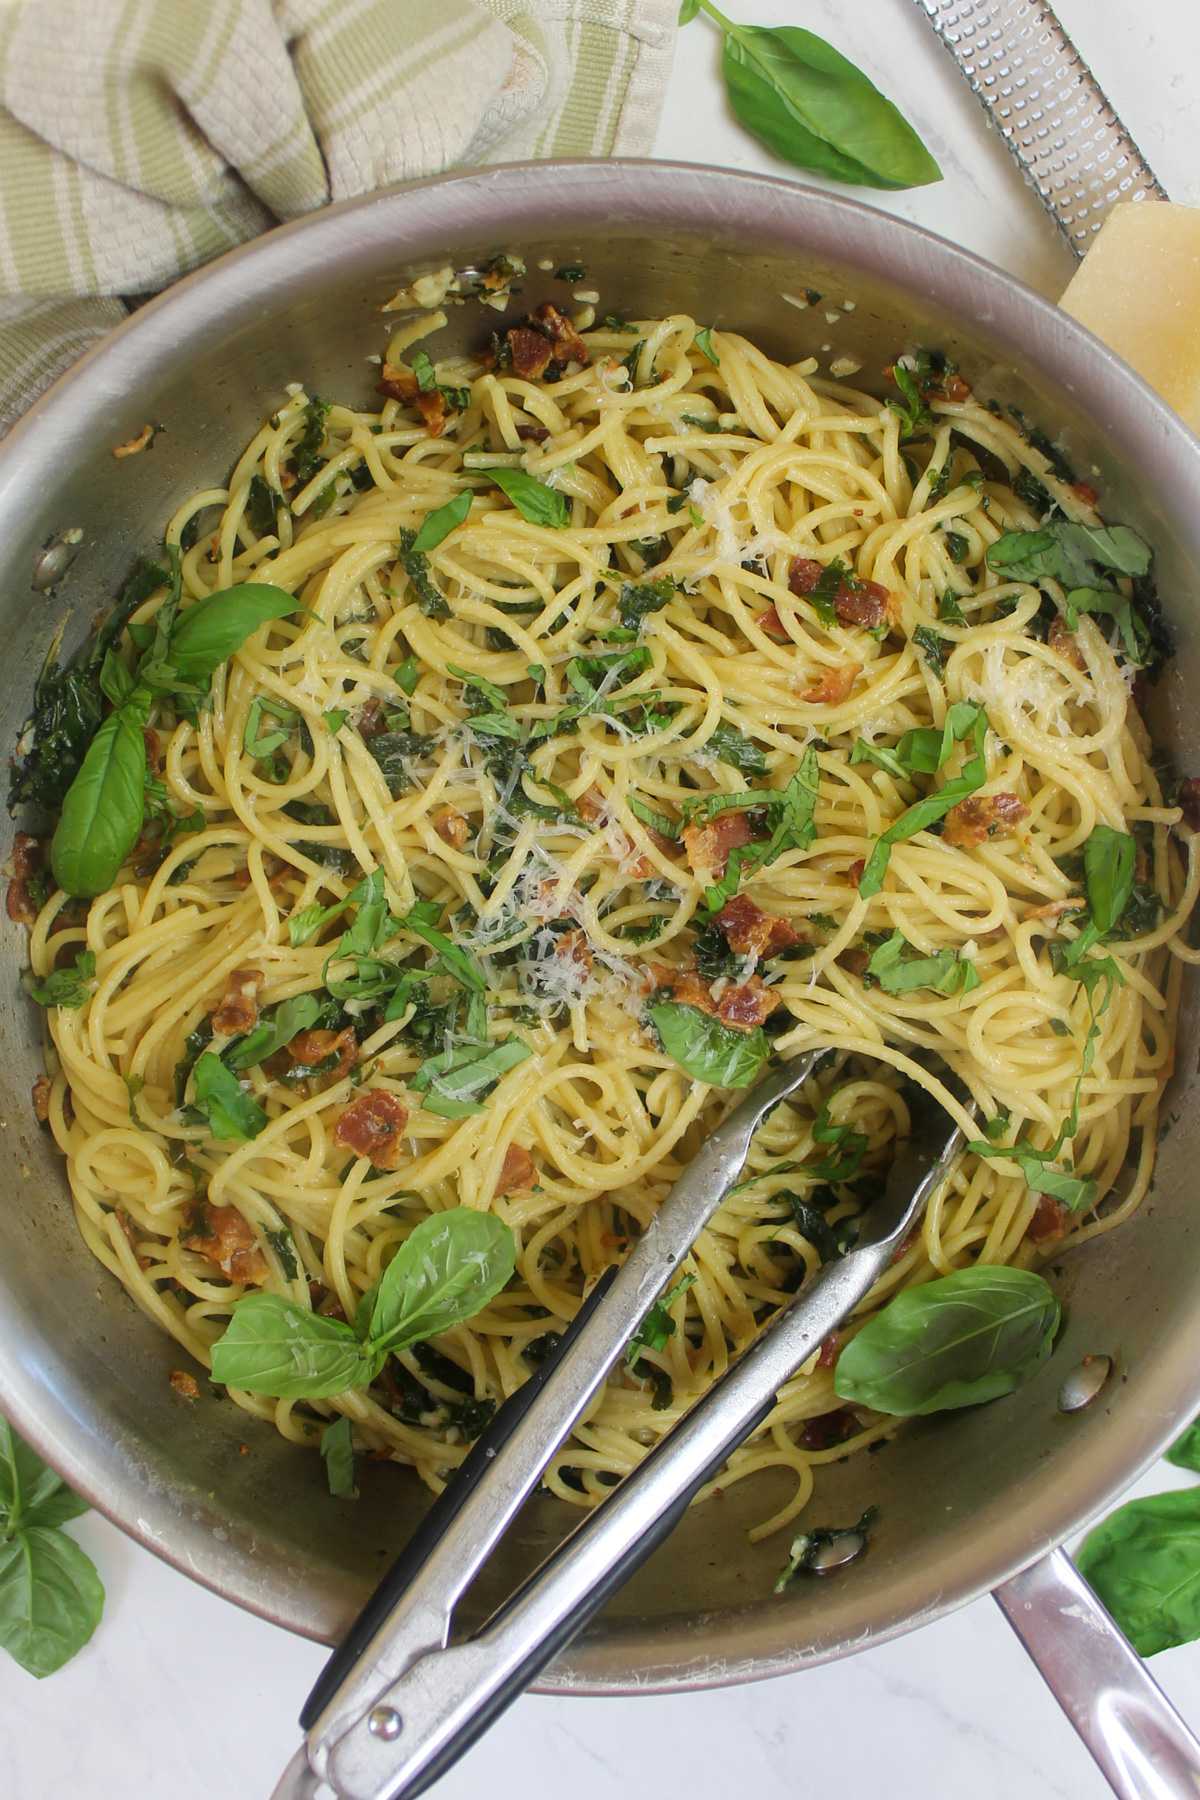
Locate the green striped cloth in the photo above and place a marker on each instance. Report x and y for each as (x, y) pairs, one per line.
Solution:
(139, 138)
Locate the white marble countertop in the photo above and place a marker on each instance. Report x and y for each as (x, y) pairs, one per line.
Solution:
(182, 1697)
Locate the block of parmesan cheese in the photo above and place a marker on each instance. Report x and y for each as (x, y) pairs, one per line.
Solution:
(1138, 288)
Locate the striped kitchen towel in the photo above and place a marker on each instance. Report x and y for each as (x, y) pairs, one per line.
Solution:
(139, 138)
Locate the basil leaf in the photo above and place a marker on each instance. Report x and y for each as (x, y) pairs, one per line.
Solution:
(813, 108)
(30, 1492)
(729, 745)
(335, 718)
(103, 809)
(658, 1327)
(215, 628)
(655, 820)
(444, 1272)
(1066, 552)
(1108, 863)
(456, 1079)
(532, 498)
(415, 565)
(337, 1447)
(276, 1347)
(440, 524)
(850, 1147)
(1135, 635)
(949, 611)
(116, 683)
(231, 1114)
(407, 674)
(934, 806)
(67, 987)
(1185, 1451)
(708, 1049)
(51, 1598)
(1144, 1564)
(703, 341)
(956, 1341)
(896, 974)
(453, 961)
(256, 742)
(288, 1019)
(640, 598)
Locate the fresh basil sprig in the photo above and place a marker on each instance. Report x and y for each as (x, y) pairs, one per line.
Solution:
(945, 971)
(957, 1341)
(815, 109)
(67, 987)
(288, 1019)
(540, 504)
(963, 720)
(790, 812)
(443, 1273)
(708, 1049)
(440, 524)
(104, 808)
(729, 745)
(219, 1099)
(1109, 862)
(50, 1594)
(658, 1327)
(1072, 554)
(1144, 1564)
(454, 1082)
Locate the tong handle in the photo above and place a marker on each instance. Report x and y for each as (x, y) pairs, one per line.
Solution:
(425, 1721)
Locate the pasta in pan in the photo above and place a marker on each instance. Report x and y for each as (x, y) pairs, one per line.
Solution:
(649, 708)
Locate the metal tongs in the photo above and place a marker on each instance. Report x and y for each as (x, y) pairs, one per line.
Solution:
(395, 1707)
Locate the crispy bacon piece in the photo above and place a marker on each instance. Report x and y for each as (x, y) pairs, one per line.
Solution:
(752, 932)
(568, 345)
(771, 623)
(153, 745)
(829, 1351)
(575, 947)
(374, 1127)
(238, 1010)
(909, 1239)
(1062, 642)
(854, 873)
(830, 1428)
(855, 602)
(1052, 911)
(983, 816)
(309, 1047)
(399, 383)
(1083, 490)
(369, 721)
(591, 806)
(135, 445)
(746, 1004)
(432, 408)
(519, 1173)
(1189, 803)
(854, 961)
(26, 857)
(956, 388)
(41, 1098)
(531, 352)
(221, 1234)
(1049, 1221)
(834, 686)
(708, 846)
(533, 434)
(451, 827)
(686, 986)
(184, 1384)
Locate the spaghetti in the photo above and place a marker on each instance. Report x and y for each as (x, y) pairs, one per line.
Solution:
(623, 744)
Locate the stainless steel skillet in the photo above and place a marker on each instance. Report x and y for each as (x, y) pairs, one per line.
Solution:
(87, 1379)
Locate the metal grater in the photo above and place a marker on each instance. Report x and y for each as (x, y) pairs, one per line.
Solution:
(1071, 147)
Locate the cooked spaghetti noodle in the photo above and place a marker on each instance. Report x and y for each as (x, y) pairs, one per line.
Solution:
(570, 865)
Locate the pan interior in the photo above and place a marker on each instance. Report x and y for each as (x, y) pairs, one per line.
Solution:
(964, 1499)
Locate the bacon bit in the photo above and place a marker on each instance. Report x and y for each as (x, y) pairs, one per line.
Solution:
(185, 1385)
(1083, 490)
(903, 1248)
(518, 1174)
(834, 686)
(1062, 642)
(26, 853)
(374, 1127)
(238, 1010)
(550, 905)
(854, 962)
(1189, 803)
(276, 872)
(829, 1351)
(854, 873)
(830, 1428)
(135, 445)
(309, 1047)
(772, 624)
(575, 947)
(752, 932)
(568, 345)
(687, 987)
(983, 816)
(708, 846)
(432, 408)
(533, 434)
(451, 827)
(746, 1006)
(1052, 911)
(956, 388)
(153, 745)
(224, 1237)
(19, 903)
(591, 806)
(531, 352)
(399, 383)
(26, 857)
(855, 602)
(1049, 1221)
(41, 1098)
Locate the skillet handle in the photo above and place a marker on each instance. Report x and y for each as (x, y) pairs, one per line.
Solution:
(1139, 1741)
